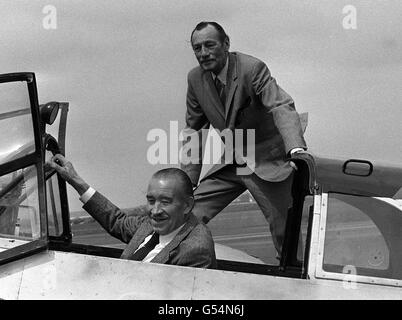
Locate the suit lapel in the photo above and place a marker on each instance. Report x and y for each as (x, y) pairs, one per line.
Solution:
(143, 231)
(231, 84)
(164, 255)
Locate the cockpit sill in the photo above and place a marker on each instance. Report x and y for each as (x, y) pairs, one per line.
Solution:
(9, 243)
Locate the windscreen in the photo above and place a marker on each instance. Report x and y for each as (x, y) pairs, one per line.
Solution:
(16, 129)
(364, 234)
(21, 190)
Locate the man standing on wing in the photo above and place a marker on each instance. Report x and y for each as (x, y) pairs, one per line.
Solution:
(232, 90)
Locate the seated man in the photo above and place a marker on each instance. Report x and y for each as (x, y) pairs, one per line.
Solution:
(169, 232)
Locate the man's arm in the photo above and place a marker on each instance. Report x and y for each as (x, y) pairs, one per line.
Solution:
(196, 121)
(112, 219)
(66, 170)
(281, 104)
(115, 221)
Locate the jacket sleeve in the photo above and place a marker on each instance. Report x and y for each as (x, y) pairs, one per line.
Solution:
(116, 222)
(281, 104)
(196, 124)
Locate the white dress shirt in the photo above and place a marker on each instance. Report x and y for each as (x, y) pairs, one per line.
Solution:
(87, 195)
(163, 242)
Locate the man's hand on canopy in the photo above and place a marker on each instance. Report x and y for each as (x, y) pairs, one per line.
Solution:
(66, 170)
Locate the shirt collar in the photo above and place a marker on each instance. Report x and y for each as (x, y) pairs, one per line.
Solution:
(166, 238)
(222, 76)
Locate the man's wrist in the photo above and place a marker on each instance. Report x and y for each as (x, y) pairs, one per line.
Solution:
(80, 186)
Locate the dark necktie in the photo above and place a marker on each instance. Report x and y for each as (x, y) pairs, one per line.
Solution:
(142, 252)
(220, 87)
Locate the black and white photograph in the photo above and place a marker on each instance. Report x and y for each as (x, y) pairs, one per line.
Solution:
(202, 155)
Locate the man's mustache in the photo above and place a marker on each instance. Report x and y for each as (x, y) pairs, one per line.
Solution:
(157, 215)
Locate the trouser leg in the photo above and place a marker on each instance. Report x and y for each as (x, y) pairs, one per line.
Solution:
(274, 199)
(216, 192)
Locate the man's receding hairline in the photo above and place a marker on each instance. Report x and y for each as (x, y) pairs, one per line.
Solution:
(222, 35)
(176, 174)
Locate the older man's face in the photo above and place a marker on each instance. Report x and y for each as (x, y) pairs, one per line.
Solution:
(167, 206)
(210, 52)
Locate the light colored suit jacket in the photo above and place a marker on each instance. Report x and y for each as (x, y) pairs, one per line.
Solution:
(193, 246)
(254, 101)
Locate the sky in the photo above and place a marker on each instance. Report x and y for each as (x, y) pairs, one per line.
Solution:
(122, 66)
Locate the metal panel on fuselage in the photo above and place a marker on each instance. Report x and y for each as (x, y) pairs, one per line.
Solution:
(57, 275)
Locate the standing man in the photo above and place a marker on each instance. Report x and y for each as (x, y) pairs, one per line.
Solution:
(232, 90)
